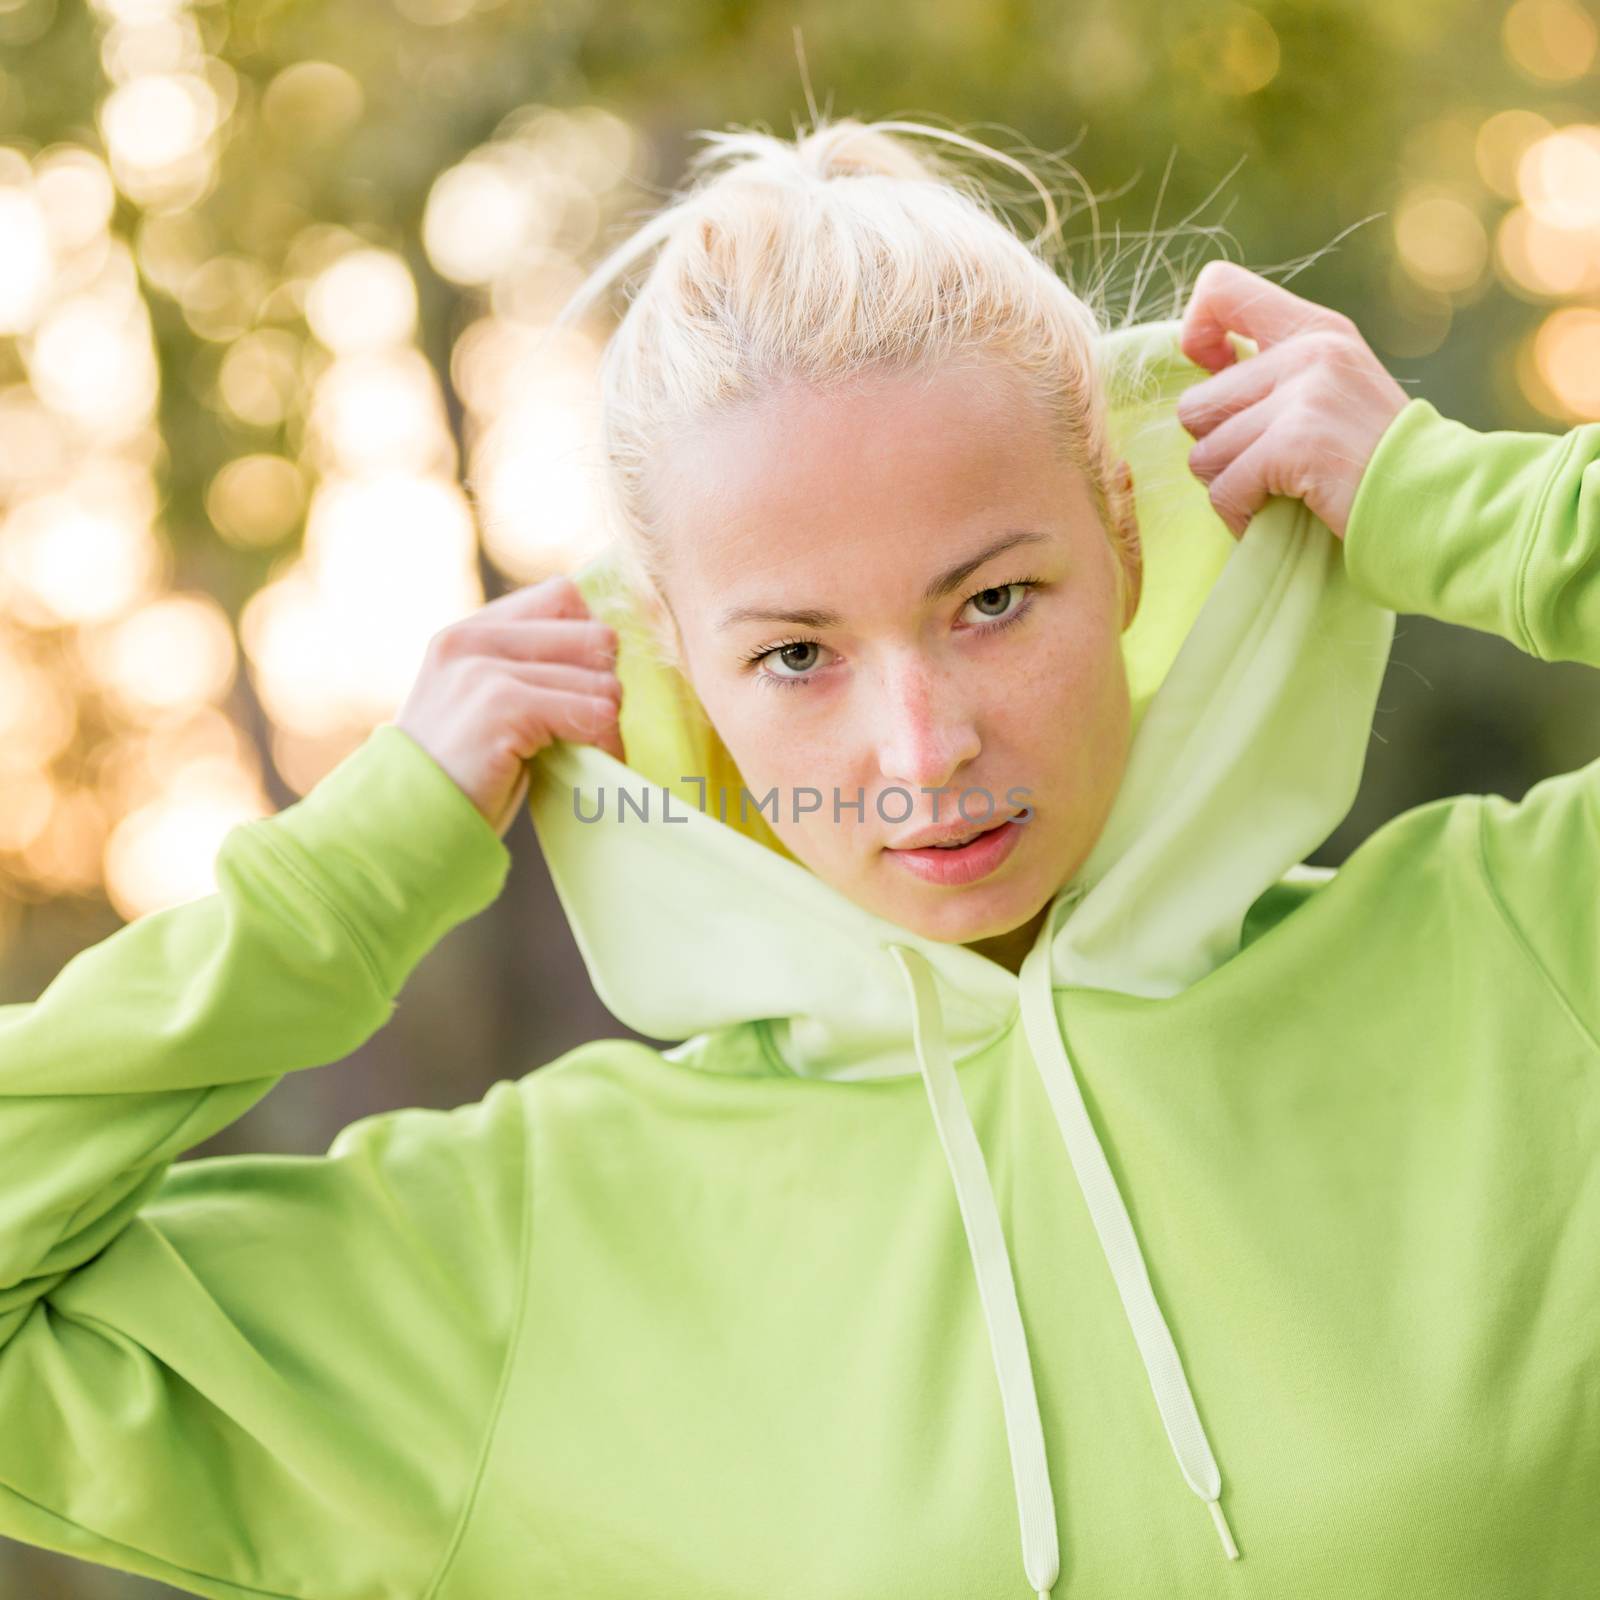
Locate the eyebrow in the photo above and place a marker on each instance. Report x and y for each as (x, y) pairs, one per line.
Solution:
(937, 587)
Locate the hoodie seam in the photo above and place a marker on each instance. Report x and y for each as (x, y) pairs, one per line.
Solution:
(285, 857)
(1531, 541)
(513, 1345)
(1520, 939)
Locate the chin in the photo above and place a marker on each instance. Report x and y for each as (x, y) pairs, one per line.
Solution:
(966, 915)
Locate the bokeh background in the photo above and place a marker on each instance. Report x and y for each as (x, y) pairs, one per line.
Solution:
(271, 275)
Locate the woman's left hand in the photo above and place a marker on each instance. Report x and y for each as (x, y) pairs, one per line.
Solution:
(1300, 418)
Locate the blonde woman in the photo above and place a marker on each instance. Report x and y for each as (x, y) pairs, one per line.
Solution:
(1059, 1188)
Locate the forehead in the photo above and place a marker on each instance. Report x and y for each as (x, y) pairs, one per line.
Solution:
(886, 466)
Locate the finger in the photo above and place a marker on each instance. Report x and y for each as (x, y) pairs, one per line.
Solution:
(508, 812)
(563, 675)
(572, 639)
(1230, 298)
(582, 718)
(1223, 444)
(1243, 486)
(555, 596)
(1211, 401)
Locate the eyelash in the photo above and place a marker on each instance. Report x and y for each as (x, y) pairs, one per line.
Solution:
(994, 625)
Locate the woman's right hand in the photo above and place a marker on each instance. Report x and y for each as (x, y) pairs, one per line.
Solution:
(496, 687)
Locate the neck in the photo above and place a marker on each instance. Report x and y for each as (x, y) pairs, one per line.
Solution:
(1010, 948)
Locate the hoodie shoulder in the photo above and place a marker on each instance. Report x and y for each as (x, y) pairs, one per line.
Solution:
(739, 1050)
(1281, 899)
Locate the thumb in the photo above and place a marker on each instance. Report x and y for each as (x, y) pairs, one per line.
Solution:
(509, 811)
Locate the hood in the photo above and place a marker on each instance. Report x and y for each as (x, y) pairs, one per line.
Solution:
(1254, 666)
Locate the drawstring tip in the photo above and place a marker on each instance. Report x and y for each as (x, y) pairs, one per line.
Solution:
(1222, 1528)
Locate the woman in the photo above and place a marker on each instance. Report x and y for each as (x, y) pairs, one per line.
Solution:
(1273, 1185)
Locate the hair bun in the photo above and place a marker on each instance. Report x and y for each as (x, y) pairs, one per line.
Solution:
(848, 148)
(844, 149)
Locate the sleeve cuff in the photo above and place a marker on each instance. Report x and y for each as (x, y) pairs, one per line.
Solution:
(394, 847)
(1446, 523)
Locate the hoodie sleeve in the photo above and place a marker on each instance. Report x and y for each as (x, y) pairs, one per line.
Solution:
(1496, 531)
(1500, 531)
(257, 1375)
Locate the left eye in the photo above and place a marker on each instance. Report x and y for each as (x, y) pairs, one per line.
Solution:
(1022, 588)
(1001, 593)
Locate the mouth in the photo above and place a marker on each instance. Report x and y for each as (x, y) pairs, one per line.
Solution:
(955, 841)
(965, 859)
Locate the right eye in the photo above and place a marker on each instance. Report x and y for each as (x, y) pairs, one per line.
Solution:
(783, 653)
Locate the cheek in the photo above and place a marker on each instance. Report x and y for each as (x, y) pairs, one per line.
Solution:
(760, 737)
(1073, 722)
(1074, 682)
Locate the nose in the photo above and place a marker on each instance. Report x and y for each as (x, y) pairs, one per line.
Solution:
(925, 732)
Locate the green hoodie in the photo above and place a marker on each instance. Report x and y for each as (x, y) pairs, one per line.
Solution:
(1249, 1248)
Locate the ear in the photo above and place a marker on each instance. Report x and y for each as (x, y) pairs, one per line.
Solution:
(1129, 548)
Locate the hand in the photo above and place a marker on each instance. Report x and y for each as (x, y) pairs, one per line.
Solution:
(496, 687)
(1300, 418)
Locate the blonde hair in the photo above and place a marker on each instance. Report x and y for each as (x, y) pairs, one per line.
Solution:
(843, 252)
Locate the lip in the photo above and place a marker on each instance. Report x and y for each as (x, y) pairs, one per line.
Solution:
(944, 834)
(952, 868)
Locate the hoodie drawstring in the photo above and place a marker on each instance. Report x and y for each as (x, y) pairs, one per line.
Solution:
(992, 1264)
(986, 1243)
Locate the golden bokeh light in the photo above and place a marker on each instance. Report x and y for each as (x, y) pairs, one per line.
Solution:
(1409, 319)
(30, 798)
(1240, 52)
(65, 856)
(374, 412)
(38, 714)
(72, 556)
(1440, 240)
(1553, 41)
(533, 403)
(75, 192)
(171, 653)
(260, 377)
(593, 145)
(1546, 261)
(338, 636)
(34, 443)
(312, 102)
(1566, 352)
(303, 759)
(25, 261)
(287, 632)
(91, 358)
(221, 297)
(156, 120)
(164, 853)
(159, 39)
(1559, 177)
(158, 133)
(479, 216)
(256, 500)
(134, 766)
(364, 301)
(170, 246)
(1501, 142)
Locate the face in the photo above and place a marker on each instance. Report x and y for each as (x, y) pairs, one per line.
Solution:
(899, 593)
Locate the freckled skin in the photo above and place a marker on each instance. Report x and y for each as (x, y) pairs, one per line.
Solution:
(851, 502)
